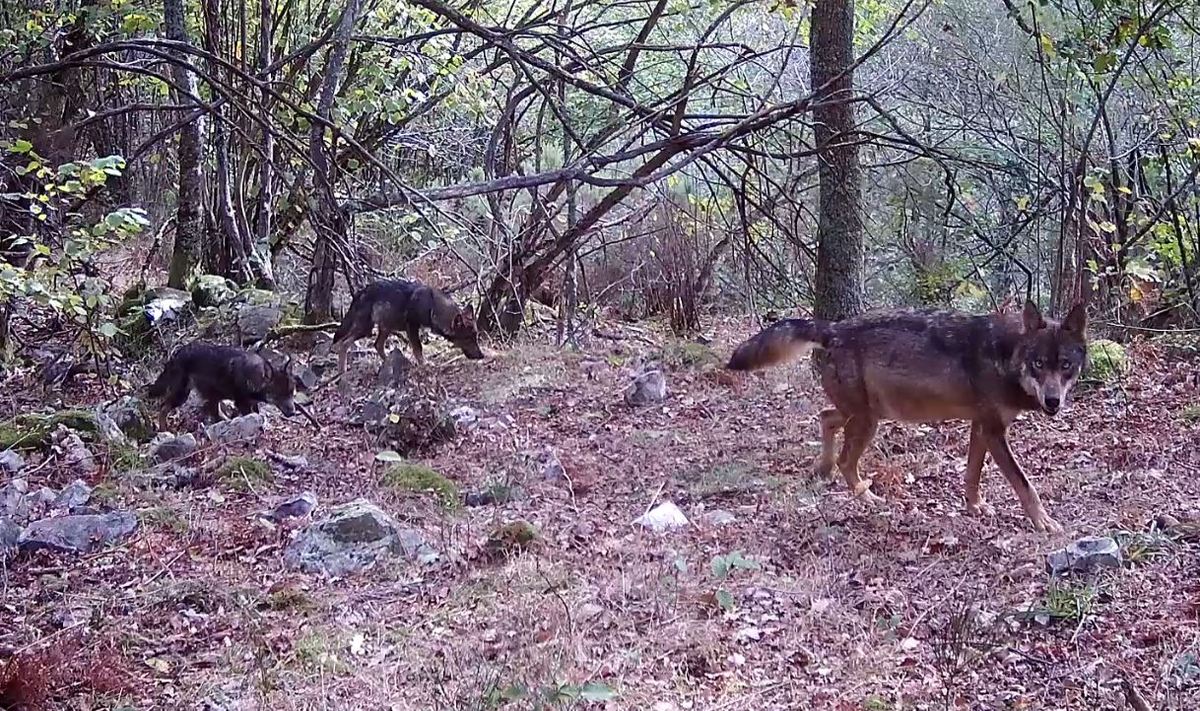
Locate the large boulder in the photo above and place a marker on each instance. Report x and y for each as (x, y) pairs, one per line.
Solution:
(254, 322)
(646, 388)
(10, 533)
(352, 538)
(212, 290)
(77, 534)
(128, 416)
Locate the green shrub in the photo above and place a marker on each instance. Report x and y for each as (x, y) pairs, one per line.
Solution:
(407, 476)
(1107, 361)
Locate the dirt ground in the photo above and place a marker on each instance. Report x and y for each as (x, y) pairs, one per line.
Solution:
(782, 593)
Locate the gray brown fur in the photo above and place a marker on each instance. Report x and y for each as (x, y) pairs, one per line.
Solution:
(405, 307)
(218, 372)
(933, 366)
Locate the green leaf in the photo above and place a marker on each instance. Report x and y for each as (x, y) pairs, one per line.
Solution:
(595, 691)
(725, 600)
(388, 455)
(20, 146)
(108, 329)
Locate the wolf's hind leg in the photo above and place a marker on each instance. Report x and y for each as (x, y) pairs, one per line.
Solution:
(832, 421)
(859, 431)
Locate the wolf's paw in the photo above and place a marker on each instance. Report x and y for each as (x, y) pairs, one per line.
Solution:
(981, 508)
(1042, 523)
(823, 469)
(863, 491)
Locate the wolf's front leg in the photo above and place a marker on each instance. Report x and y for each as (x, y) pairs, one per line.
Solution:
(1030, 501)
(414, 340)
(976, 453)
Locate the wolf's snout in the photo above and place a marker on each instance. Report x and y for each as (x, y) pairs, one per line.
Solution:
(1052, 404)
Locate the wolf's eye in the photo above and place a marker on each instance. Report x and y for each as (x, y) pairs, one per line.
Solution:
(1067, 366)
(1038, 364)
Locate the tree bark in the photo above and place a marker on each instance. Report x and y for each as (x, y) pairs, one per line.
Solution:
(840, 252)
(326, 216)
(189, 225)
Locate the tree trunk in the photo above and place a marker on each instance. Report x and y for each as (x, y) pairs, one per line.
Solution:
(840, 254)
(189, 225)
(261, 247)
(327, 219)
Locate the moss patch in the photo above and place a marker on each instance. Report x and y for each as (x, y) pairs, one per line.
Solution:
(689, 354)
(510, 538)
(407, 476)
(1107, 361)
(30, 432)
(245, 473)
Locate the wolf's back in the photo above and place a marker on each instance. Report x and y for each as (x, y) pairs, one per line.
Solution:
(779, 343)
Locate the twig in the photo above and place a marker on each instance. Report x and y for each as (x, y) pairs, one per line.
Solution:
(1132, 697)
(284, 331)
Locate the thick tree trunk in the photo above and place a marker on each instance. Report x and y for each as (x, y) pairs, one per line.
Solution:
(327, 219)
(840, 255)
(189, 225)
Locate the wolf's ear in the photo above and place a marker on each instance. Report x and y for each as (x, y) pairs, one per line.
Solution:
(1032, 318)
(1076, 320)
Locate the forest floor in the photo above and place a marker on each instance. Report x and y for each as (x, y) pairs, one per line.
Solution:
(782, 593)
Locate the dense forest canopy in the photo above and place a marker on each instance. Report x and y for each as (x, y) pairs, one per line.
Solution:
(657, 155)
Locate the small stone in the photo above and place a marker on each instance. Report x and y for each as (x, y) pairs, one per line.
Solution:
(295, 507)
(74, 452)
(168, 447)
(664, 517)
(646, 389)
(552, 468)
(475, 499)
(590, 610)
(73, 496)
(10, 533)
(13, 502)
(719, 517)
(11, 462)
(296, 461)
(246, 428)
(464, 416)
(77, 534)
(1085, 555)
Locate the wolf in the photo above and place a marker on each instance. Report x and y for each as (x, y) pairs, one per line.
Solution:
(219, 372)
(933, 366)
(399, 305)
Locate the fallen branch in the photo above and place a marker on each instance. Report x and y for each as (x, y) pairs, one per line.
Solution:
(284, 331)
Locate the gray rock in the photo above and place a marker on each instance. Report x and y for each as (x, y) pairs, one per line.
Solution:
(77, 534)
(245, 428)
(167, 447)
(41, 500)
(719, 517)
(295, 507)
(166, 304)
(74, 452)
(11, 462)
(213, 290)
(646, 389)
(254, 322)
(73, 496)
(353, 537)
(394, 371)
(552, 468)
(1085, 555)
(465, 417)
(13, 502)
(664, 517)
(10, 533)
(129, 416)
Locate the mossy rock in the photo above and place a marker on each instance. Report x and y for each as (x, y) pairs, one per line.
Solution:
(1107, 361)
(258, 297)
(418, 478)
(509, 538)
(689, 354)
(32, 431)
(245, 473)
(212, 290)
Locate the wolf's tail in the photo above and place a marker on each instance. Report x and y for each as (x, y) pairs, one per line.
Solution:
(778, 343)
(173, 378)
